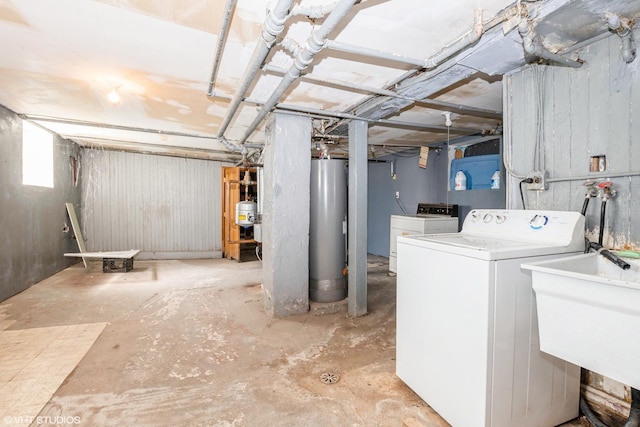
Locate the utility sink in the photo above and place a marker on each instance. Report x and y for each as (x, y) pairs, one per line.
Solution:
(589, 313)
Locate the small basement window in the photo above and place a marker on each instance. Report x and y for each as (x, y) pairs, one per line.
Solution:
(37, 156)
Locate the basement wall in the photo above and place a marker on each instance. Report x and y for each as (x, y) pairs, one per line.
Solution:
(416, 185)
(593, 110)
(168, 207)
(32, 219)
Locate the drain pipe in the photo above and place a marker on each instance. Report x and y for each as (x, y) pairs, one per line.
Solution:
(623, 27)
(314, 44)
(224, 32)
(634, 414)
(273, 26)
(533, 46)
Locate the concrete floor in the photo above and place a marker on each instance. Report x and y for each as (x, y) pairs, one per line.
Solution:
(187, 343)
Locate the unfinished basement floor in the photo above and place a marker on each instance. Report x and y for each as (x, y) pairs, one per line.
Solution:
(188, 343)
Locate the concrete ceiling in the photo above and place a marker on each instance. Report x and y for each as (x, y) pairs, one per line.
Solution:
(62, 58)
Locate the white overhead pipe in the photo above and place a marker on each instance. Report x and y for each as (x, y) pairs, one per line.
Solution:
(313, 12)
(457, 108)
(314, 44)
(623, 27)
(222, 39)
(316, 112)
(273, 26)
(110, 126)
(321, 113)
(372, 53)
(533, 46)
(462, 43)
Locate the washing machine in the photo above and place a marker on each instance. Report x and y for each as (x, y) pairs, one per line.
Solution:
(467, 332)
(430, 218)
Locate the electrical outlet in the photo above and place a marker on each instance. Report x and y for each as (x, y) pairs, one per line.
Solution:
(397, 194)
(539, 181)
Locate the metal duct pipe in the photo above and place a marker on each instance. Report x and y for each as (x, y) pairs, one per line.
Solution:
(224, 32)
(623, 27)
(314, 44)
(533, 46)
(273, 26)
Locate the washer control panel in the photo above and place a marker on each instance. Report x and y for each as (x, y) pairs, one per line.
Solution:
(548, 226)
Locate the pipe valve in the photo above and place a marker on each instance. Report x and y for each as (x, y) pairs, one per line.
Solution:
(591, 190)
(606, 192)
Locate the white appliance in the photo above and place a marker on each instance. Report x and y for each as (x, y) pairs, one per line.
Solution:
(429, 219)
(467, 331)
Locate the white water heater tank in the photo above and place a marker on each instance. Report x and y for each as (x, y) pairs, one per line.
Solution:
(246, 213)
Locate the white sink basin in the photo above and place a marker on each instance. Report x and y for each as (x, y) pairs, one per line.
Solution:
(589, 314)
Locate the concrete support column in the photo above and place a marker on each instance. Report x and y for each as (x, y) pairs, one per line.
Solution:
(357, 218)
(285, 220)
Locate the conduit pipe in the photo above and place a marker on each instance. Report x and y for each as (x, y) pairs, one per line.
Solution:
(623, 27)
(222, 39)
(381, 122)
(412, 78)
(273, 26)
(456, 108)
(314, 44)
(467, 40)
(533, 46)
(110, 126)
(319, 113)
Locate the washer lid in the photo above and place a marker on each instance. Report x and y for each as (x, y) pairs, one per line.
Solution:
(504, 234)
(482, 247)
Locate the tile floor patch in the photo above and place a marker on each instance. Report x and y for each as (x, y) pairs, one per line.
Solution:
(35, 362)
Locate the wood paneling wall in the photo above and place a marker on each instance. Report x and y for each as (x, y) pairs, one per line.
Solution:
(168, 207)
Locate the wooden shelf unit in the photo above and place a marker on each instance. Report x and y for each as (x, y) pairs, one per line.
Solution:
(237, 241)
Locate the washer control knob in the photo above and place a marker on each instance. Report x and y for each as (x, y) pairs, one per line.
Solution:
(500, 219)
(474, 216)
(487, 217)
(538, 221)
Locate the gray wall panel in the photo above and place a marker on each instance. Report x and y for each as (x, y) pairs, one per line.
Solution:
(588, 111)
(31, 218)
(168, 207)
(416, 185)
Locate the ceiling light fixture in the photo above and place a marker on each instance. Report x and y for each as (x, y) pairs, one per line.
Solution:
(114, 96)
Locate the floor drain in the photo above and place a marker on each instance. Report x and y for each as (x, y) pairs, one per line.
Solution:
(329, 378)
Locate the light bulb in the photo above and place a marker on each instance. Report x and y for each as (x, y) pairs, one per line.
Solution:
(114, 96)
(447, 116)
